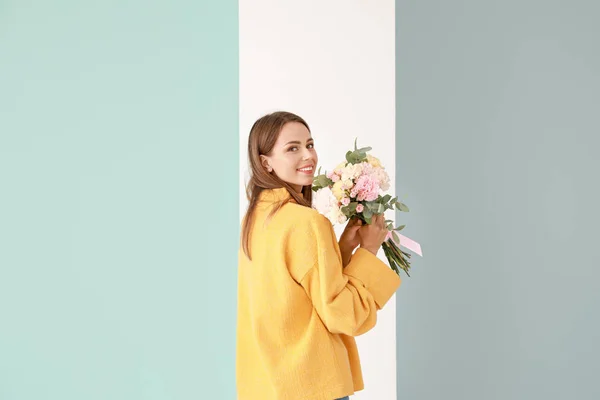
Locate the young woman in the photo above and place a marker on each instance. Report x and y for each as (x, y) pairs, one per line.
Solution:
(302, 295)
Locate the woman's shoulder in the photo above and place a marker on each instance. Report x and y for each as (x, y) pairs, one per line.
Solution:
(304, 217)
(289, 214)
(301, 211)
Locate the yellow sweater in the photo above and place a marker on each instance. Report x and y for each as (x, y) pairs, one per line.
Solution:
(299, 309)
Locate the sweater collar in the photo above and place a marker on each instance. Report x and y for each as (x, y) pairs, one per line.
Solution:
(275, 195)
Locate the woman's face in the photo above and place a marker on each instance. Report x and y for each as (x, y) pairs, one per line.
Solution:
(293, 158)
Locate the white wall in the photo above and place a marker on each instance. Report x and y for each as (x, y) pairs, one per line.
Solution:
(333, 63)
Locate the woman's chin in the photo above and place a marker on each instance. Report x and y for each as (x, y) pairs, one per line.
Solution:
(307, 182)
(300, 184)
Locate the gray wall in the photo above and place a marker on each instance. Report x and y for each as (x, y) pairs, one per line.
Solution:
(498, 130)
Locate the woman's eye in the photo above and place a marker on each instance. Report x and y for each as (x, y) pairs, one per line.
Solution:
(295, 148)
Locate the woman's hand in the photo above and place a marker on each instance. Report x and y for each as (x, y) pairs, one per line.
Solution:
(350, 239)
(372, 236)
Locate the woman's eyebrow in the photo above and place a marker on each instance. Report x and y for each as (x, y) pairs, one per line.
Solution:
(298, 142)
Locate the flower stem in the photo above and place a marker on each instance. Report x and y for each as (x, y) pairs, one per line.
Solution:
(396, 257)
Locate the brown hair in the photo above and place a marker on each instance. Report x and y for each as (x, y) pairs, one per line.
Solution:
(263, 135)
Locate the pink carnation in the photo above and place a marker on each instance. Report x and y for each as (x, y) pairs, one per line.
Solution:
(366, 188)
(345, 201)
(360, 208)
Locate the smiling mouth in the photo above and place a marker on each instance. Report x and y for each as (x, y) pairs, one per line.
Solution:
(306, 170)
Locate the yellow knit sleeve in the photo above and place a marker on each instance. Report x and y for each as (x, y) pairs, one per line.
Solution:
(346, 299)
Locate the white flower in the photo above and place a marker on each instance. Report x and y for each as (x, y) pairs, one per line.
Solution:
(384, 179)
(352, 171)
(347, 184)
(324, 200)
(336, 216)
(326, 204)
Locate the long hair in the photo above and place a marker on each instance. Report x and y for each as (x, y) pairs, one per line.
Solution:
(263, 135)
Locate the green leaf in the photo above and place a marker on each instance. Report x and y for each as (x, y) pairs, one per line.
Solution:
(396, 238)
(401, 206)
(386, 198)
(367, 213)
(351, 158)
(322, 181)
(352, 206)
(355, 139)
(374, 207)
(400, 228)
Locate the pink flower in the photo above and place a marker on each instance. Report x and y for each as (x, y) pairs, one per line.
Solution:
(345, 201)
(366, 188)
(335, 177)
(360, 208)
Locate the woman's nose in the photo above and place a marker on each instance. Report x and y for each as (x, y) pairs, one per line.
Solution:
(307, 155)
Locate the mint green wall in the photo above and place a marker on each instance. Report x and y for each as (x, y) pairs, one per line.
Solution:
(498, 138)
(119, 199)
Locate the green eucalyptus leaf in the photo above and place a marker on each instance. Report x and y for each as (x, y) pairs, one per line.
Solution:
(400, 228)
(357, 158)
(323, 181)
(349, 157)
(401, 206)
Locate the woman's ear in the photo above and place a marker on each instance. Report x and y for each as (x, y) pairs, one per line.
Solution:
(265, 163)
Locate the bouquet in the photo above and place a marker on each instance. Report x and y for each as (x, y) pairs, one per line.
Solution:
(356, 189)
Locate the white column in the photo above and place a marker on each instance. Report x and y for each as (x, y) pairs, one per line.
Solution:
(333, 63)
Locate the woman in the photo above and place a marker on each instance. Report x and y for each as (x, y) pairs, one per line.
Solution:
(302, 295)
